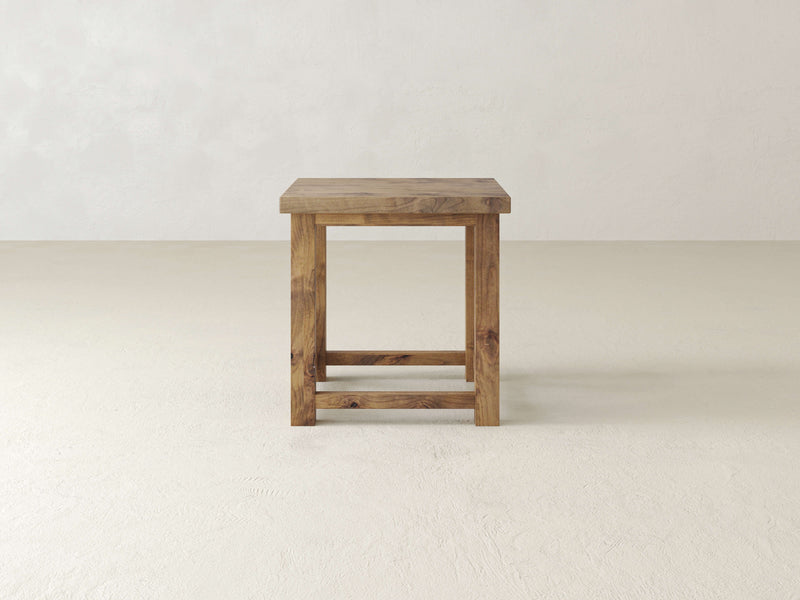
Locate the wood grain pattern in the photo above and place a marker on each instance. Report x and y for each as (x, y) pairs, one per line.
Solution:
(401, 219)
(361, 196)
(302, 321)
(469, 293)
(321, 271)
(487, 320)
(395, 399)
(395, 357)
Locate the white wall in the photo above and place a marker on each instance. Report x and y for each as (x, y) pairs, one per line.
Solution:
(604, 120)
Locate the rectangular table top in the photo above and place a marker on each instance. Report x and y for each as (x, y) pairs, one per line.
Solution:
(370, 195)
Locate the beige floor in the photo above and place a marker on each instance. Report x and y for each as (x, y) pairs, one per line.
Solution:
(648, 449)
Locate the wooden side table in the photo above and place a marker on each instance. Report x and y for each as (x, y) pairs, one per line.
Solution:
(316, 204)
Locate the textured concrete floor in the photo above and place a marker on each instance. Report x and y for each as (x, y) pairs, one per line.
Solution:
(648, 448)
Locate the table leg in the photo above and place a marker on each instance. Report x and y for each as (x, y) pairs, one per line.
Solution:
(303, 320)
(487, 320)
(469, 246)
(321, 274)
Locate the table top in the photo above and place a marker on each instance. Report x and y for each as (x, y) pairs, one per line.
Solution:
(369, 195)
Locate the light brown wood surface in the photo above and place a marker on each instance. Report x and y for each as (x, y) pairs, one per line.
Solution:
(361, 196)
(303, 386)
(469, 293)
(395, 357)
(395, 399)
(321, 273)
(402, 219)
(487, 320)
